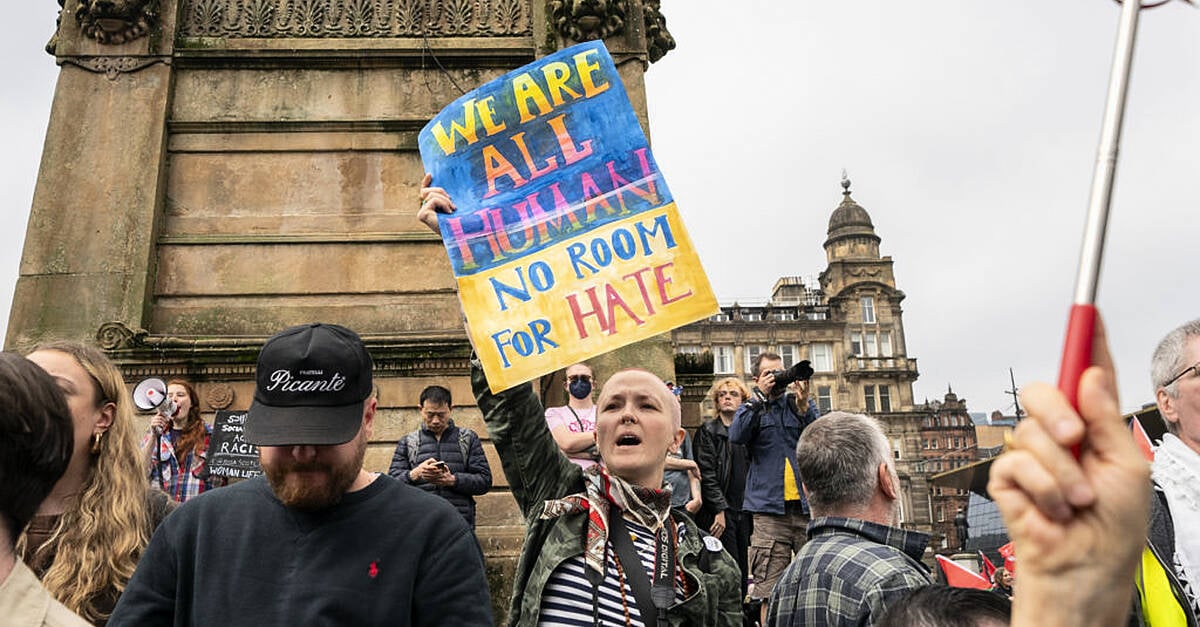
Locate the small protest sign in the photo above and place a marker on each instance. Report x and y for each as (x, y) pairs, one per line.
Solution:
(229, 455)
(567, 242)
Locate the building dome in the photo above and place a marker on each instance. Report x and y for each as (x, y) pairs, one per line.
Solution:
(849, 215)
(849, 219)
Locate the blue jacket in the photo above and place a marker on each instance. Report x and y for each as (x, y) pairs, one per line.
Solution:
(472, 475)
(769, 431)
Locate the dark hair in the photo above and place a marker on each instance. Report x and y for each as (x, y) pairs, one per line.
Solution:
(942, 606)
(754, 370)
(435, 394)
(36, 439)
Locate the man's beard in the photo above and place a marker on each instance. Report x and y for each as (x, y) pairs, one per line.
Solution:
(297, 493)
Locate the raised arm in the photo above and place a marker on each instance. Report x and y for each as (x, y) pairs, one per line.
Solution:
(533, 464)
(1078, 525)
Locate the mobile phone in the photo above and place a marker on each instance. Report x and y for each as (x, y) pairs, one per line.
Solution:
(441, 465)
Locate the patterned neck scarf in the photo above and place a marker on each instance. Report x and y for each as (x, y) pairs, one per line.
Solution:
(1176, 470)
(645, 506)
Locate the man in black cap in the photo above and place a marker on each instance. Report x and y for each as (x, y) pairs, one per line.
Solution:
(319, 540)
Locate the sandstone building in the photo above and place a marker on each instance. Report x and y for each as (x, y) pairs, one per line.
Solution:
(848, 324)
(217, 170)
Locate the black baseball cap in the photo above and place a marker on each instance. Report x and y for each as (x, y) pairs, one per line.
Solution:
(310, 386)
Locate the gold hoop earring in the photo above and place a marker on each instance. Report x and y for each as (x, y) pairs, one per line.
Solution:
(96, 437)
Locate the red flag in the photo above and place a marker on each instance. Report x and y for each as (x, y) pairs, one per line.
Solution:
(1142, 440)
(960, 577)
(988, 567)
(1010, 558)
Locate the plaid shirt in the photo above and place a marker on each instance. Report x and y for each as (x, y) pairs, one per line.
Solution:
(181, 481)
(848, 573)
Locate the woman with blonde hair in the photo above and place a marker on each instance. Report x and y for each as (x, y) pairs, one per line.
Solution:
(181, 437)
(86, 537)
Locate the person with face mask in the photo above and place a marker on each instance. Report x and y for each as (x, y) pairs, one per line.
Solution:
(574, 424)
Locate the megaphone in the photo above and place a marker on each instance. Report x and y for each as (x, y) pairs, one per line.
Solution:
(151, 394)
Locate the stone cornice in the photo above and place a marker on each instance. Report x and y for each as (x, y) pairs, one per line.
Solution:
(141, 354)
(353, 18)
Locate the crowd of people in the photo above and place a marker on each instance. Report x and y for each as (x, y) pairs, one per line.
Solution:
(774, 515)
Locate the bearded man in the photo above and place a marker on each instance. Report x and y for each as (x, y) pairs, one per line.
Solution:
(318, 540)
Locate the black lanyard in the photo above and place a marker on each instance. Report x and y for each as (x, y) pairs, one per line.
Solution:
(652, 599)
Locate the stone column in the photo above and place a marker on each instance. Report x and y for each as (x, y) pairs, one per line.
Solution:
(636, 35)
(90, 241)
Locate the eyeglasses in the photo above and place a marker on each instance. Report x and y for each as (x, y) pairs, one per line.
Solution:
(579, 377)
(1179, 376)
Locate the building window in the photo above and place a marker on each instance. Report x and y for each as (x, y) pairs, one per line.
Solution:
(788, 353)
(721, 317)
(872, 348)
(940, 513)
(689, 349)
(856, 345)
(933, 443)
(722, 360)
(869, 398)
(885, 399)
(752, 316)
(752, 353)
(885, 344)
(785, 316)
(821, 355)
(868, 309)
(897, 448)
(824, 399)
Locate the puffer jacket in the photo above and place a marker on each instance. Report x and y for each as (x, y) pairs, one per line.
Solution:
(537, 471)
(473, 475)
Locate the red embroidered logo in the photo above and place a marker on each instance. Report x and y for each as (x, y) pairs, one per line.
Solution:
(373, 570)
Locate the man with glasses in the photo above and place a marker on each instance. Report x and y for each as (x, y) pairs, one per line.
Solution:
(574, 425)
(1169, 579)
(723, 467)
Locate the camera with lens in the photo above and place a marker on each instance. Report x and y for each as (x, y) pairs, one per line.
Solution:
(800, 371)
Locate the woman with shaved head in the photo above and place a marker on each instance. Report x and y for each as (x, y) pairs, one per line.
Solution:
(602, 546)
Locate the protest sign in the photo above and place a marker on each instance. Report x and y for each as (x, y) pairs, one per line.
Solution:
(229, 455)
(566, 243)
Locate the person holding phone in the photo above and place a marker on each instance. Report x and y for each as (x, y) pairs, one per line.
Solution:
(442, 457)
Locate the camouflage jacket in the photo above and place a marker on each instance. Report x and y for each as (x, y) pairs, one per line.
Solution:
(537, 471)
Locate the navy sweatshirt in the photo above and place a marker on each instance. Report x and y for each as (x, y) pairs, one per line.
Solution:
(389, 554)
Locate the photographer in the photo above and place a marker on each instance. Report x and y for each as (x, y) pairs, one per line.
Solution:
(769, 426)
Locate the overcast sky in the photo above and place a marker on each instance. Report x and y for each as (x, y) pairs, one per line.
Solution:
(968, 127)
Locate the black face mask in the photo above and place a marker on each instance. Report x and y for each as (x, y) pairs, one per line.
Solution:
(580, 388)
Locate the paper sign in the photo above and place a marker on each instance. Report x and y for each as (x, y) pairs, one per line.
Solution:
(229, 455)
(566, 243)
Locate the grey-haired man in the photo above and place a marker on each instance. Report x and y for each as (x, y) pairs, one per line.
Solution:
(318, 540)
(856, 561)
(1172, 540)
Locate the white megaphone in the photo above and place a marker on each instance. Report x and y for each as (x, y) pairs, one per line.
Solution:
(151, 394)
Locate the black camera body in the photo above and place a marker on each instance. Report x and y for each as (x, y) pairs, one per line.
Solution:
(800, 371)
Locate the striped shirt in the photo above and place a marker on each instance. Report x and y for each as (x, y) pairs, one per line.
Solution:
(567, 597)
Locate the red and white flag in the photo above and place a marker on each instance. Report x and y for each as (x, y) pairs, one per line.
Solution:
(961, 577)
(1143, 441)
(1010, 558)
(988, 568)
